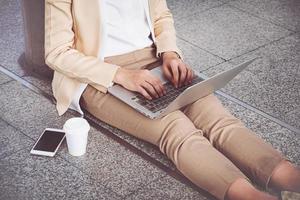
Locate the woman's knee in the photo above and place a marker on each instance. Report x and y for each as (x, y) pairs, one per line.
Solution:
(177, 129)
(225, 124)
(208, 113)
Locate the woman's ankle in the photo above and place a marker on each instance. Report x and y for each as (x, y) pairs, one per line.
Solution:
(241, 189)
(286, 176)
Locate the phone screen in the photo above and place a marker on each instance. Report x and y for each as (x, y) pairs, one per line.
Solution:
(49, 141)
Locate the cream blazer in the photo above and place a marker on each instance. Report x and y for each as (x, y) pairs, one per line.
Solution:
(73, 44)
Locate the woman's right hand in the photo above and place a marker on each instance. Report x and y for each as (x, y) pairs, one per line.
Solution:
(141, 81)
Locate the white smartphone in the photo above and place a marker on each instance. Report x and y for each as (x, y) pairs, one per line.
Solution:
(49, 142)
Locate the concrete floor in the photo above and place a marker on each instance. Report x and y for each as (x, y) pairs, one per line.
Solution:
(214, 35)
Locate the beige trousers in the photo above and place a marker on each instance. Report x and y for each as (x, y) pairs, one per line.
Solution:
(205, 142)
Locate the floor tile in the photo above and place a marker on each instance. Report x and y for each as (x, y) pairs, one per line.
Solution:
(40, 82)
(271, 83)
(113, 165)
(228, 32)
(29, 112)
(23, 176)
(197, 58)
(169, 189)
(11, 140)
(186, 8)
(293, 117)
(285, 13)
(4, 78)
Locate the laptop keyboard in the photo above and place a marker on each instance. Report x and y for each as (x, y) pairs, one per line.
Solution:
(160, 103)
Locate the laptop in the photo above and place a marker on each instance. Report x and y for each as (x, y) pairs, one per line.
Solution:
(175, 98)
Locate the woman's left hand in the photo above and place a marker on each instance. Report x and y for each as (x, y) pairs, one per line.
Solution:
(175, 70)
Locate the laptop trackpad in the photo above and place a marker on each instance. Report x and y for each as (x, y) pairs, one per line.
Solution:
(157, 71)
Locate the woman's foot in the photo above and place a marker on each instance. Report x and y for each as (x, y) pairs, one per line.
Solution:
(241, 189)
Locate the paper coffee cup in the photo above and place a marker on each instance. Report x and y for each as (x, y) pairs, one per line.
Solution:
(76, 130)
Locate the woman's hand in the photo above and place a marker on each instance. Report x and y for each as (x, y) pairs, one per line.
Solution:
(175, 70)
(141, 81)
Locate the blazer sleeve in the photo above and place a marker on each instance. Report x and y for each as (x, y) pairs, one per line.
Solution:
(164, 29)
(60, 54)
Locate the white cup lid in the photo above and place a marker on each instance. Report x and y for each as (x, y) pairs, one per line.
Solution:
(76, 124)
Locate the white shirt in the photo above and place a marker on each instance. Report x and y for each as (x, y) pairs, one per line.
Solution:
(126, 27)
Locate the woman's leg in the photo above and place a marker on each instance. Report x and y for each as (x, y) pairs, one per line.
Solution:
(250, 153)
(175, 135)
(243, 190)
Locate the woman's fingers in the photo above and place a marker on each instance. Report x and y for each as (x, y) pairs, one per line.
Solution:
(150, 89)
(190, 76)
(187, 79)
(175, 73)
(142, 91)
(168, 73)
(150, 85)
(183, 73)
(143, 82)
(158, 86)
